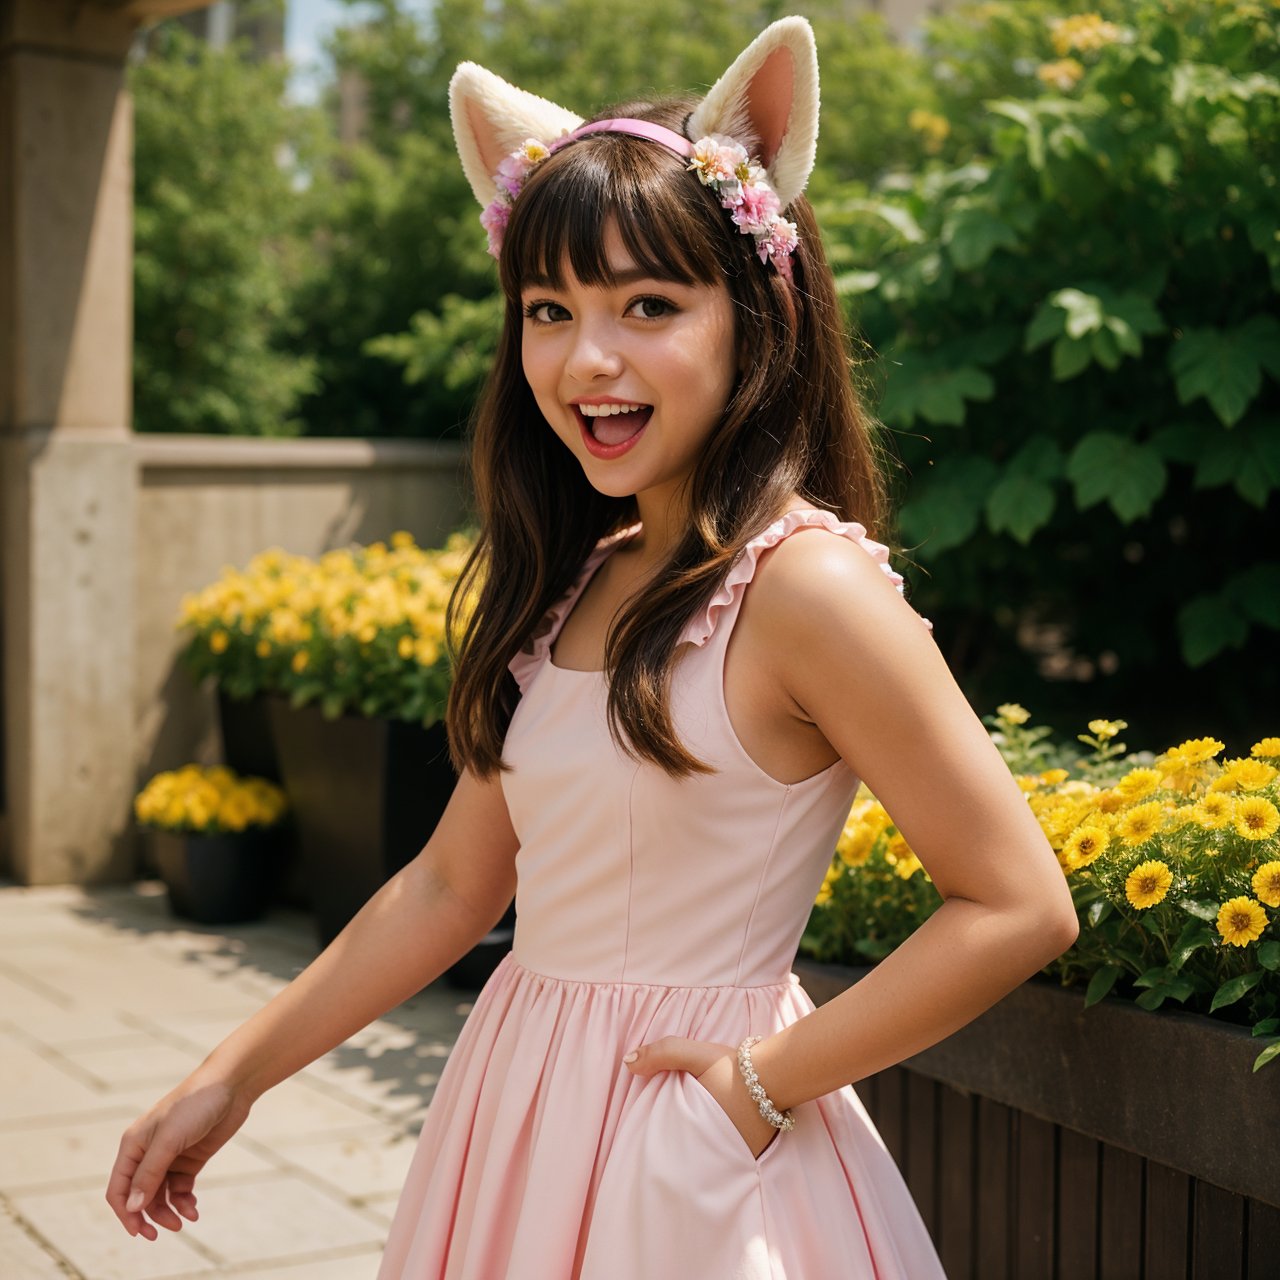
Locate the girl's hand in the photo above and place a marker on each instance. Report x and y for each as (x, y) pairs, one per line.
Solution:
(716, 1069)
(162, 1151)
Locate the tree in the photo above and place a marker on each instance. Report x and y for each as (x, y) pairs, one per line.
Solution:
(215, 245)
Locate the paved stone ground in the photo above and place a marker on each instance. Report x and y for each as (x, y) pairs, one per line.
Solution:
(106, 1002)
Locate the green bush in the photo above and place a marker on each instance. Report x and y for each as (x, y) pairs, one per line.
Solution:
(1077, 346)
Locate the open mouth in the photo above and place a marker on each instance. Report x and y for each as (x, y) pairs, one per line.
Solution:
(614, 424)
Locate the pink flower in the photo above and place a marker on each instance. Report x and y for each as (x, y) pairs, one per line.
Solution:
(494, 220)
(756, 208)
(512, 173)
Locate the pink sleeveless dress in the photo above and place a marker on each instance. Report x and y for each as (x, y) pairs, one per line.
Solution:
(649, 906)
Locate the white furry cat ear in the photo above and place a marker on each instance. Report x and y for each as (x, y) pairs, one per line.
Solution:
(491, 118)
(768, 101)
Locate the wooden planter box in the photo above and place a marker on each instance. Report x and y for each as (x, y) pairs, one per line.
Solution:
(1045, 1139)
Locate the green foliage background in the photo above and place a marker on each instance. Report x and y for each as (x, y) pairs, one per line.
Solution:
(1064, 298)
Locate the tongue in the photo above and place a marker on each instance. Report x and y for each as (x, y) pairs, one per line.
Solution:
(618, 427)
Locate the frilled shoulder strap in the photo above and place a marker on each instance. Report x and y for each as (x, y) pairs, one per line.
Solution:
(537, 648)
(700, 628)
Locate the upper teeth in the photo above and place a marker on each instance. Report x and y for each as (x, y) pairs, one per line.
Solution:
(603, 410)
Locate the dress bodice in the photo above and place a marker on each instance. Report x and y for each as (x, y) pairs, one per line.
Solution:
(626, 874)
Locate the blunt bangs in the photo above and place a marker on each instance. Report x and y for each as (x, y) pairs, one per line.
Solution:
(668, 222)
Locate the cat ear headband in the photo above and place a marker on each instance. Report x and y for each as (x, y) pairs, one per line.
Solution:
(752, 138)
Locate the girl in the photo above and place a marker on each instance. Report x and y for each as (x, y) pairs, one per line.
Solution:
(684, 653)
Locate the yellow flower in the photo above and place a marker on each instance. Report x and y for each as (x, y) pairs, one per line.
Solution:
(934, 127)
(427, 652)
(1250, 775)
(1051, 777)
(1241, 921)
(405, 647)
(1106, 729)
(1013, 713)
(1141, 823)
(535, 151)
(1267, 747)
(1198, 750)
(1213, 810)
(824, 892)
(907, 866)
(1266, 883)
(300, 660)
(1255, 818)
(1147, 884)
(218, 641)
(1084, 845)
(1109, 801)
(1085, 32)
(1062, 75)
(401, 540)
(1137, 784)
(263, 648)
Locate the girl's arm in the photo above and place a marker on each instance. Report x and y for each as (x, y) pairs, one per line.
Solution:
(857, 661)
(422, 920)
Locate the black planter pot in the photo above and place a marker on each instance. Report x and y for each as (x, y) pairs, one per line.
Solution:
(224, 878)
(366, 795)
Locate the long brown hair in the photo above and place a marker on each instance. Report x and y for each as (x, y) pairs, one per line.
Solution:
(793, 423)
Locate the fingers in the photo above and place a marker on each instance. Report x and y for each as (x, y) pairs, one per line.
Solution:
(138, 1183)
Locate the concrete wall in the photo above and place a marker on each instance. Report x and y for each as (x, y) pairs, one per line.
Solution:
(206, 501)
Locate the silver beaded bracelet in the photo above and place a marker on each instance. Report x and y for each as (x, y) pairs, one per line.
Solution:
(779, 1119)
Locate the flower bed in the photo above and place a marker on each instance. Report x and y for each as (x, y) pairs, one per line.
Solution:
(1173, 861)
(359, 630)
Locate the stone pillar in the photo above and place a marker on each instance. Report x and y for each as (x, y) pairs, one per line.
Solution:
(67, 472)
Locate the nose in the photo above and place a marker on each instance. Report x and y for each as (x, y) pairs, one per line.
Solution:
(594, 354)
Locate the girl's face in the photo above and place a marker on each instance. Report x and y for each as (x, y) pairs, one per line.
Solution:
(632, 377)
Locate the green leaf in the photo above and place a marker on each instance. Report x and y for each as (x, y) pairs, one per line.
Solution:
(1269, 955)
(1206, 629)
(1098, 911)
(852, 283)
(973, 235)
(1101, 983)
(896, 216)
(1193, 936)
(1234, 988)
(1069, 358)
(1129, 474)
(1179, 989)
(1268, 1054)
(945, 509)
(927, 386)
(1020, 114)
(1225, 365)
(1266, 1026)
(1248, 457)
(1254, 593)
(1019, 504)
(1201, 908)
(1153, 977)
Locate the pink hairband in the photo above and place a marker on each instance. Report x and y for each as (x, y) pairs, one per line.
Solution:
(739, 182)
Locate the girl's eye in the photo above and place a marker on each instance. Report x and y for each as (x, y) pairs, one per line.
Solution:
(545, 312)
(651, 308)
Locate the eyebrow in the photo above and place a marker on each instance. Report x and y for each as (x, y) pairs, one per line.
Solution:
(632, 276)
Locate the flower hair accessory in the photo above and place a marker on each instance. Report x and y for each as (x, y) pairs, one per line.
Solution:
(720, 163)
(740, 182)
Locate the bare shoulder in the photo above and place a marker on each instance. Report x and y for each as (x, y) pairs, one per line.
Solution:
(817, 590)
